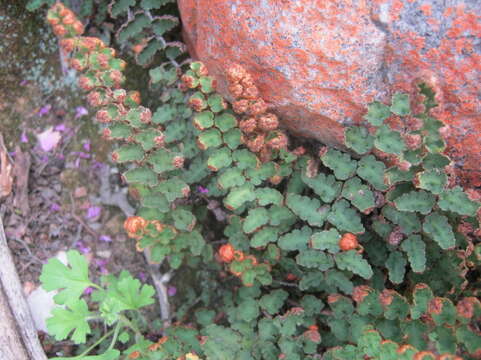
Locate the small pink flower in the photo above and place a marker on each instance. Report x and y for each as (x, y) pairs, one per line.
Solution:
(80, 111)
(55, 207)
(171, 290)
(61, 127)
(93, 212)
(105, 238)
(23, 138)
(88, 290)
(81, 154)
(83, 249)
(101, 264)
(202, 190)
(86, 146)
(44, 110)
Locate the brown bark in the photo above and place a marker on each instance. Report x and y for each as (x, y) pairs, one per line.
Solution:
(18, 336)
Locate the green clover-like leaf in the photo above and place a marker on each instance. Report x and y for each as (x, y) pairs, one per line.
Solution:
(439, 229)
(419, 201)
(308, 209)
(400, 104)
(345, 218)
(358, 139)
(219, 159)
(432, 180)
(456, 201)
(389, 141)
(341, 163)
(73, 279)
(372, 171)
(358, 194)
(239, 195)
(326, 240)
(295, 240)
(273, 301)
(128, 293)
(376, 113)
(354, 262)
(396, 265)
(72, 318)
(225, 121)
(415, 249)
(311, 258)
(323, 185)
(256, 218)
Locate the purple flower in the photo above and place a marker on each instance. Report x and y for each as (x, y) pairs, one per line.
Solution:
(171, 290)
(81, 154)
(23, 138)
(202, 190)
(23, 82)
(86, 146)
(142, 276)
(80, 111)
(55, 207)
(101, 264)
(88, 290)
(44, 110)
(97, 165)
(61, 127)
(83, 249)
(105, 238)
(93, 212)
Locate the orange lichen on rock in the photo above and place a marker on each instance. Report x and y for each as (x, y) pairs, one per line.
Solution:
(318, 65)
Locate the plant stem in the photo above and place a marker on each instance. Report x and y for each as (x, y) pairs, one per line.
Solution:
(95, 344)
(130, 324)
(116, 334)
(96, 286)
